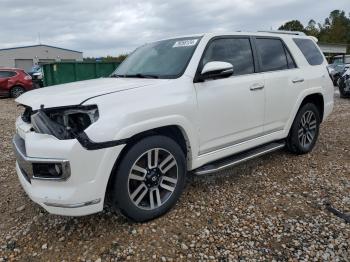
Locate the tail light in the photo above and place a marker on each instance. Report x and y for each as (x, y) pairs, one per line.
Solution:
(27, 77)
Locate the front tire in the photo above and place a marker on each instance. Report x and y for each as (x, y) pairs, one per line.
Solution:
(305, 129)
(150, 178)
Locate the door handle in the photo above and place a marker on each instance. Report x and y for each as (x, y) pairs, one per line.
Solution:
(298, 80)
(256, 87)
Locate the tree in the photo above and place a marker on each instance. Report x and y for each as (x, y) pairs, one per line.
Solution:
(335, 28)
(294, 25)
(119, 58)
(312, 29)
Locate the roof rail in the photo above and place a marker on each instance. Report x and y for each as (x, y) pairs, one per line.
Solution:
(283, 32)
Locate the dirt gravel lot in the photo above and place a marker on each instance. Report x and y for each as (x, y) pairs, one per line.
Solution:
(269, 208)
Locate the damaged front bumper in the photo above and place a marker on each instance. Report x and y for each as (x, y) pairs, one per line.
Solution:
(79, 184)
(39, 168)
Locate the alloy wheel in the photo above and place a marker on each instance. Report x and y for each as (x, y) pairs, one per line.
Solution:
(307, 129)
(17, 91)
(152, 179)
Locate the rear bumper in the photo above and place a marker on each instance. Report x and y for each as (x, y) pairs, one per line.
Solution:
(328, 108)
(80, 193)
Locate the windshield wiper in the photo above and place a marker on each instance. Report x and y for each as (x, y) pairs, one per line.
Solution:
(115, 75)
(142, 76)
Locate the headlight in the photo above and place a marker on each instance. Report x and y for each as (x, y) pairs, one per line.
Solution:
(64, 123)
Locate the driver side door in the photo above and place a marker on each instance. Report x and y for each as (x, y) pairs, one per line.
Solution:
(231, 110)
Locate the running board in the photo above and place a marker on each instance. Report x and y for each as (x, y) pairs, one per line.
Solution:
(238, 158)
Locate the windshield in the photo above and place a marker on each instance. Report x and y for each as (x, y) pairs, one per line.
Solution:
(162, 59)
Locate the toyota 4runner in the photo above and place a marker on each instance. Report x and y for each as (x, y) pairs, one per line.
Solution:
(197, 103)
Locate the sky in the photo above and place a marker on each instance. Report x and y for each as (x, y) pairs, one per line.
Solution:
(113, 27)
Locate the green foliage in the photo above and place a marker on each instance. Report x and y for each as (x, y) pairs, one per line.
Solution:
(294, 25)
(119, 58)
(335, 28)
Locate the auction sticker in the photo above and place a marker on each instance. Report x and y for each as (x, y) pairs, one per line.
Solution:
(185, 43)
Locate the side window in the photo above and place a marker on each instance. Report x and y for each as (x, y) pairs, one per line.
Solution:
(11, 73)
(272, 54)
(291, 63)
(309, 50)
(5, 74)
(236, 51)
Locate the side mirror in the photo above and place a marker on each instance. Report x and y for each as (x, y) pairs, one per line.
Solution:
(216, 69)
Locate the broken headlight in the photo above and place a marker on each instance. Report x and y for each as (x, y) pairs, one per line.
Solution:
(64, 123)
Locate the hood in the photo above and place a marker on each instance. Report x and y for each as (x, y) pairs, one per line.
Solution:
(77, 92)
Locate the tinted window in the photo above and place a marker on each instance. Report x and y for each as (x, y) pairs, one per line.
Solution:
(290, 60)
(236, 51)
(4, 74)
(309, 50)
(272, 54)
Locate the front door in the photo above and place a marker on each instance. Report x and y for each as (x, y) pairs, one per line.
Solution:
(231, 110)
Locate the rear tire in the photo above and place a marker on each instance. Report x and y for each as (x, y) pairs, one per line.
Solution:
(304, 131)
(149, 179)
(16, 91)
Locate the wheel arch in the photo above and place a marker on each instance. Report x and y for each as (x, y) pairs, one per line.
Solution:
(172, 131)
(315, 96)
(317, 99)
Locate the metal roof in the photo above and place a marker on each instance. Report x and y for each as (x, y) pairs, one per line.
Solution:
(28, 46)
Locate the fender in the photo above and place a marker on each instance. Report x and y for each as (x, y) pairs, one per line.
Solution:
(125, 133)
(301, 97)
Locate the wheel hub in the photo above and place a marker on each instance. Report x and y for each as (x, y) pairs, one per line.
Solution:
(152, 178)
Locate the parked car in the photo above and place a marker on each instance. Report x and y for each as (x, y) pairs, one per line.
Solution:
(14, 82)
(198, 104)
(341, 59)
(336, 71)
(344, 84)
(37, 76)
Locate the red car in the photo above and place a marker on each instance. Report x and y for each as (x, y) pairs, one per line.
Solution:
(14, 82)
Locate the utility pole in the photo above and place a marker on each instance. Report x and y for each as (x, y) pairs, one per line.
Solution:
(39, 38)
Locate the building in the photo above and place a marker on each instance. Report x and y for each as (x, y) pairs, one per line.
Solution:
(331, 50)
(26, 56)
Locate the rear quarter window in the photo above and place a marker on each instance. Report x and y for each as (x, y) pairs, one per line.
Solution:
(309, 50)
(5, 74)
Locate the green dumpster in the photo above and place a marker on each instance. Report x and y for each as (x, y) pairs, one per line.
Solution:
(66, 72)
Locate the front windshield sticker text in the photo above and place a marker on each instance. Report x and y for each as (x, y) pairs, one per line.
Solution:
(185, 43)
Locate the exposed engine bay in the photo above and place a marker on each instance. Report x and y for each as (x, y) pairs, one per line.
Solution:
(64, 122)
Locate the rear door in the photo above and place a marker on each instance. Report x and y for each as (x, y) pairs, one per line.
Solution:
(3, 83)
(231, 110)
(283, 81)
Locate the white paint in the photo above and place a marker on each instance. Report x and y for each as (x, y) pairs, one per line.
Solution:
(217, 117)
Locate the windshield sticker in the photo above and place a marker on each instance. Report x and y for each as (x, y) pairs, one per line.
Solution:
(185, 43)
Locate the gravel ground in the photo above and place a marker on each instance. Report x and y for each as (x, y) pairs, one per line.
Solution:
(271, 208)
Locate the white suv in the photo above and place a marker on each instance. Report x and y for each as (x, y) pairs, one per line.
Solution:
(198, 103)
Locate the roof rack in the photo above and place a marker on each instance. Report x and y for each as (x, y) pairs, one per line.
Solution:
(283, 32)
